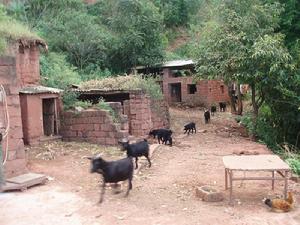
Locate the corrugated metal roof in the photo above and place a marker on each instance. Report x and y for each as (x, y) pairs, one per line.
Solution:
(173, 63)
(40, 90)
(178, 63)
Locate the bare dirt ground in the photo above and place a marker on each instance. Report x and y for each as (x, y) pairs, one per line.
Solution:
(163, 194)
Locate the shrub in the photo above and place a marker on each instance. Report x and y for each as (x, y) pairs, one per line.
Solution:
(294, 163)
(105, 106)
(83, 104)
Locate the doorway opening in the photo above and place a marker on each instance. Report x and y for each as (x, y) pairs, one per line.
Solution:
(49, 117)
(175, 91)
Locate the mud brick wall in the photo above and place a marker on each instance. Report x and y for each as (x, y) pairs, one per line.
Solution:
(208, 91)
(16, 163)
(145, 114)
(27, 64)
(138, 111)
(160, 116)
(91, 125)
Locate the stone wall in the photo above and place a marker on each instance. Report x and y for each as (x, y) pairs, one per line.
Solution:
(16, 163)
(93, 126)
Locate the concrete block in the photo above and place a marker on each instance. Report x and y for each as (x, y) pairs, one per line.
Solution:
(209, 194)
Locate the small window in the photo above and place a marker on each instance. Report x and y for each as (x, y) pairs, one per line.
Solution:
(222, 88)
(192, 89)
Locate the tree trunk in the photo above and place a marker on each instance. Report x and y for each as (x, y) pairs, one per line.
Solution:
(255, 110)
(232, 100)
(239, 101)
(254, 104)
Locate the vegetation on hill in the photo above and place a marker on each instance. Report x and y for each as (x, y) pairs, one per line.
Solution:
(11, 30)
(242, 41)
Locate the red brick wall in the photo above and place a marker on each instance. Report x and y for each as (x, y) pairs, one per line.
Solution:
(91, 125)
(145, 114)
(28, 65)
(16, 163)
(208, 91)
(139, 114)
(160, 116)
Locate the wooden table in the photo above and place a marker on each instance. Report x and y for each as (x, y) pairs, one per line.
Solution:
(252, 163)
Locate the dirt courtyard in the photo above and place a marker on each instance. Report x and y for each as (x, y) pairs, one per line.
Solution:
(162, 195)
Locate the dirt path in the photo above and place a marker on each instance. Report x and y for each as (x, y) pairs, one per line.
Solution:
(162, 194)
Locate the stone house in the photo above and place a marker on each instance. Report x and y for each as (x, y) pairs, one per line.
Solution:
(31, 108)
(177, 84)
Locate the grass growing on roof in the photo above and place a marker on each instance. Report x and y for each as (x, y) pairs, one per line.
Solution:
(12, 30)
(126, 83)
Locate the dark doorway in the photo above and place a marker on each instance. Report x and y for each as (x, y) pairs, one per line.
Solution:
(49, 117)
(192, 88)
(175, 91)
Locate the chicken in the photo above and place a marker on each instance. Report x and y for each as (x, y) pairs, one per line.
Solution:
(281, 205)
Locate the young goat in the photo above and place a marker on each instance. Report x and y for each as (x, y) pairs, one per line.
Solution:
(190, 127)
(113, 171)
(136, 150)
(162, 134)
(207, 116)
(222, 106)
(213, 109)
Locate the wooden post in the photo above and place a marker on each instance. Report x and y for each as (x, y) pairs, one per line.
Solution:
(285, 183)
(226, 181)
(273, 175)
(230, 183)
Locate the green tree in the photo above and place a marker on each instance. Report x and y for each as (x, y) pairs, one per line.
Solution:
(137, 29)
(239, 44)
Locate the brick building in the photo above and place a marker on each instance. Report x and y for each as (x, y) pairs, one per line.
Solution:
(26, 102)
(178, 84)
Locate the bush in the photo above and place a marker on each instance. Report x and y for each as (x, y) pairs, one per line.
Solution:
(69, 99)
(294, 163)
(83, 104)
(105, 106)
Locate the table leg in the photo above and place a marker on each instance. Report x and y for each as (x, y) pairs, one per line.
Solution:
(226, 179)
(285, 184)
(230, 183)
(273, 175)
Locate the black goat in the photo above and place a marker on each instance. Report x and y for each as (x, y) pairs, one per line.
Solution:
(163, 135)
(136, 150)
(207, 116)
(190, 127)
(222, 106)
(113, 171)
(213, 109)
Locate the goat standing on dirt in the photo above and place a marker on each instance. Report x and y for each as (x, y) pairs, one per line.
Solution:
(136, 150)
(213, 109)
(163, 135)
(113, 171)
(190, 127)
(207, 116)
